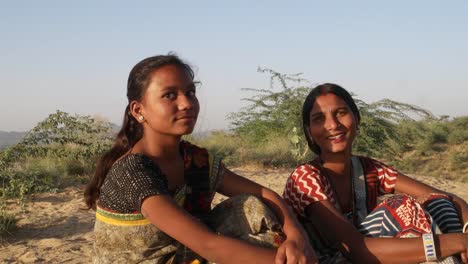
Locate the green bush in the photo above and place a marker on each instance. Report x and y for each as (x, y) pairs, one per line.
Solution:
(274, 111)
(438, 133)
(60, 150)
(222, 143)
(7, 223)
(32, 176)
(268, 131)
(276, 151)
(457, 136)
(458, 133)
(459, 160)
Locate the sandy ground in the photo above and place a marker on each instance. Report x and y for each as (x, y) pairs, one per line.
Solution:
(53, 228)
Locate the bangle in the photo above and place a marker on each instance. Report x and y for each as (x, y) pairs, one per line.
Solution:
(429, 247)
(465, 227)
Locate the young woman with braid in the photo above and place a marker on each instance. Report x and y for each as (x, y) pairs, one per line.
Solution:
(152, 191)
(335, 196)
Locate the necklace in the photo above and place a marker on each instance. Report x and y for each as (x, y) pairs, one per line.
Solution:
(335, 193)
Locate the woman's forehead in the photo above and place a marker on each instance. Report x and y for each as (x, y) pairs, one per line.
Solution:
(328, 102)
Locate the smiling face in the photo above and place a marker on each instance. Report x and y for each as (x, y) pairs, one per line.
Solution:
(332, 124)
(169, 105)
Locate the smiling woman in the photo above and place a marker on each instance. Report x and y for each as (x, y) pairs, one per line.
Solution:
(335, 196)
(333, 125)
(152, 191)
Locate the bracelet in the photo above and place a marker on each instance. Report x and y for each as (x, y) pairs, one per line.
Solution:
(465, 227)
(429, 247)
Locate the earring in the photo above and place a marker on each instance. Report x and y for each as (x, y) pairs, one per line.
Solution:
(141, 118)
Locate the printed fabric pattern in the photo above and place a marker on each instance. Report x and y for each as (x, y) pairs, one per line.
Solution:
(397, 216)
(128, 237)
(307, 184)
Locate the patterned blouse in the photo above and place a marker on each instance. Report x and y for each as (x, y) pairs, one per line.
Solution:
(131, 180)
(307, 184)
(122, 233)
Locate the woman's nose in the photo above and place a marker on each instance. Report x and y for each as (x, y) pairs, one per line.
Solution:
(331, 123)
(185, 102)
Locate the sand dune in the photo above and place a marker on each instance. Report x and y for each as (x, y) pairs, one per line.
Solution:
(53, 228)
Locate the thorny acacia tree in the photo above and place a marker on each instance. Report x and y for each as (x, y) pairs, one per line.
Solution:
(277, 112)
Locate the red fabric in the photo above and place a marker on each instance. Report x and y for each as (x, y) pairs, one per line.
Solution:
(380, 179)
(197, 176)
(307, 184)
(407, 216)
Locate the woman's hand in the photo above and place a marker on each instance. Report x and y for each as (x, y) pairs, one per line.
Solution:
(295, 250)
(464, 254)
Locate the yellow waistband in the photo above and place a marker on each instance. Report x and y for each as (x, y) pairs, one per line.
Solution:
(117, 222)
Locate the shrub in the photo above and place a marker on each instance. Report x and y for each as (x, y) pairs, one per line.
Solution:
(59, 150)
(276, 113)
(457, 136)
(7, 223)
(459, 160)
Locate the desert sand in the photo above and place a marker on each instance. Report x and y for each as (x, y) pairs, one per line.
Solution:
(53, 228)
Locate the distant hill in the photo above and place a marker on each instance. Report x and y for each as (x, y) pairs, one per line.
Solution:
(10, 138)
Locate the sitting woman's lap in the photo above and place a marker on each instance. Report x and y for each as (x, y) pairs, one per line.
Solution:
(247, 218)
(402, 216)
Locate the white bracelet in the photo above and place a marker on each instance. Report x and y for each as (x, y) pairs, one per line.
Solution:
(429, 247)
(465, 227)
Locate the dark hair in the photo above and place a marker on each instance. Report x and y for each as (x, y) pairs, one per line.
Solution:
(309, 104)
(131, 131)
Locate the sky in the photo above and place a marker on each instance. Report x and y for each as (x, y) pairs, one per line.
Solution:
(75, 56)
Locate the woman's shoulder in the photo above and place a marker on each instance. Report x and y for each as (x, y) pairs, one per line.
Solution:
(311, 167)
(131, 159)
(134, 163)
(131, 179)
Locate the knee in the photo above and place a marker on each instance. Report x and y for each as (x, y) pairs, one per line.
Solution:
(397, 201)
(434, 199)
(246, 198)
(242, 204)
(240, 213)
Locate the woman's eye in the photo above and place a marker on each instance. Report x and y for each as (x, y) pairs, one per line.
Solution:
(342, 112)
(191, 93)
(170, 96)
(317, 118)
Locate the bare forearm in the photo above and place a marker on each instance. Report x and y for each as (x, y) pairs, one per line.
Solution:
(181, 226)
(276, 203)
(363, 249)
(220, 250)
(385, 250)
(297, 244)
(407, 250)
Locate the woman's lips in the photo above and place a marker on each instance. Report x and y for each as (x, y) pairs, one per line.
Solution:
(186, 118)
(337, 138)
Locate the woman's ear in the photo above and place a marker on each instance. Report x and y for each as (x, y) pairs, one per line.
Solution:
(136, 109)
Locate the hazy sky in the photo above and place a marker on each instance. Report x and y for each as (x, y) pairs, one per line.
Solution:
(75, 55)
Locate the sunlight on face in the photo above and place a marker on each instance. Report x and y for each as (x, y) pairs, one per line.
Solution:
(170, 105)
(332, 124)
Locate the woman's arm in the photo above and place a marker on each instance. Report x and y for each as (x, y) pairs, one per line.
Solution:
(165, 214)
(234, 184)
(344, 236)
(419, 191)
